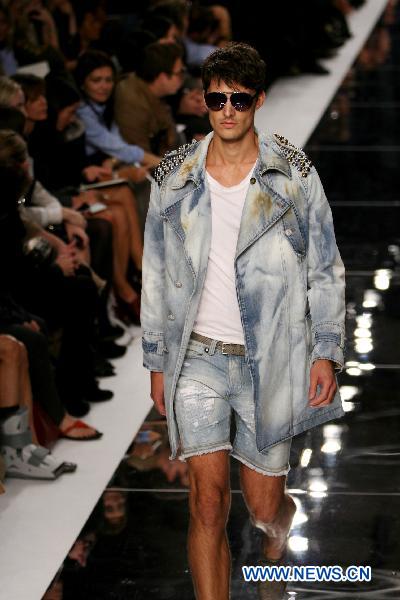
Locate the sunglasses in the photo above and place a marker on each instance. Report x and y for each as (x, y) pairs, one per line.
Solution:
(240, 101)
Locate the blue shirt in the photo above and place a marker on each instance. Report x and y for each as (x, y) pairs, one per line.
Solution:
(109, 141)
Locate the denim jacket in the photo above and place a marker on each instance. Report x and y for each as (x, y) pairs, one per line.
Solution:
(289, 285)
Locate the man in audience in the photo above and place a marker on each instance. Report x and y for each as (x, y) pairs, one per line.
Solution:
(142, 116)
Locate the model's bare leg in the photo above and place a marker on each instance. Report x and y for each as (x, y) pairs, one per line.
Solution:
(270, 508)
(209, 503)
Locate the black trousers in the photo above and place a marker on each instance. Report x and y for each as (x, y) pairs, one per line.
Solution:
(69, 304)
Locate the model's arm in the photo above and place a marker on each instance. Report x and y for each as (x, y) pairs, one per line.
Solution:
(326, 285)
(325, 280)
(153, 288)
(151, 310)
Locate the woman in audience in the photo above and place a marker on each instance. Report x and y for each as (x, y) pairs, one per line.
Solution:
(15, 319)
(95, 75)
(58, 148)
(93, 236)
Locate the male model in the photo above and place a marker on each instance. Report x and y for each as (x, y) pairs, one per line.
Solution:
(242, 311)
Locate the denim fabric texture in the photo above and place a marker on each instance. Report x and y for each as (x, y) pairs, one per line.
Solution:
(211, 388)
(289, 284)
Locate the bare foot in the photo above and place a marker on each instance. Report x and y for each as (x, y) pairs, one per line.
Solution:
(76, 432)
(277, 532)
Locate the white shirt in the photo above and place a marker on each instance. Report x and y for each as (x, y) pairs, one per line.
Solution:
(218, 315)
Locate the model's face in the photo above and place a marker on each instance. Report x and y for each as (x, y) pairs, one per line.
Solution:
(36, 109)
(99, 84)
(229, 124)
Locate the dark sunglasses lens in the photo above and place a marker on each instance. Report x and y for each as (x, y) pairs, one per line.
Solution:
(241, 101)
(215, 100)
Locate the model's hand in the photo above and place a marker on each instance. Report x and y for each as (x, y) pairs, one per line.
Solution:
(323, 374)
(157, 391)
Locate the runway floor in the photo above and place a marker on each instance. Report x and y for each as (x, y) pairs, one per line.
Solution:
(345, 475)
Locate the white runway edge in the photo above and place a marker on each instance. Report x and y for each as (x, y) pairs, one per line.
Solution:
(294, 105)
(39, 521)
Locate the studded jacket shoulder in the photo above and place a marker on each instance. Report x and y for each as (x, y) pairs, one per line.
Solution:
(172, 160)
(295, 156)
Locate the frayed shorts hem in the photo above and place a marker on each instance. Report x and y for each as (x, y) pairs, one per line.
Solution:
(201, 451)
(245, 461)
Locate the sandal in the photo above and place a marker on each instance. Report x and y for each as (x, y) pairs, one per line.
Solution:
(80, 425)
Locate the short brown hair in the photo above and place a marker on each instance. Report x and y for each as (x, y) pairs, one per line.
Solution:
(235, 63)
(157, 58)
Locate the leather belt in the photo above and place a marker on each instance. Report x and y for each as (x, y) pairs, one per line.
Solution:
(225, 347)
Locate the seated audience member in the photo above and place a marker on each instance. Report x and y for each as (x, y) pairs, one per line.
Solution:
(90, 18)
(177, 11)
(163, 29)
(8, 62)
(44, 208)
(54, 287)
(63, 13)
(11, 94)
(35, 104)
(141, 115)
(95, 75)
(15, 319)
(58, 149)
(202, 27)
(35, 34)
(19, 446)
(92, 237)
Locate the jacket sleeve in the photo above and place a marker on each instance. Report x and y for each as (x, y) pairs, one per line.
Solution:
(152, 301)
(325, 274)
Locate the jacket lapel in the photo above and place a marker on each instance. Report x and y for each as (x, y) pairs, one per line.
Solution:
(188, 208)
(188, 203)
(263, 206)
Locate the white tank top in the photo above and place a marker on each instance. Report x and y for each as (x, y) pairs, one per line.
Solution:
(218, 316)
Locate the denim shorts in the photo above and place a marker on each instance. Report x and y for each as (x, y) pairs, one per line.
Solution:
(210, 386)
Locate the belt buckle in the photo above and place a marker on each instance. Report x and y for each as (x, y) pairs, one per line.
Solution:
(222, 348)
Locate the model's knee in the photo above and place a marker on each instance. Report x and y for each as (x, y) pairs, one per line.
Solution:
(210, 508)
(263, 515)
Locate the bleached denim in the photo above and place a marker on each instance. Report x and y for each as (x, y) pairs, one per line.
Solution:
(289, 284)
(211, 387)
